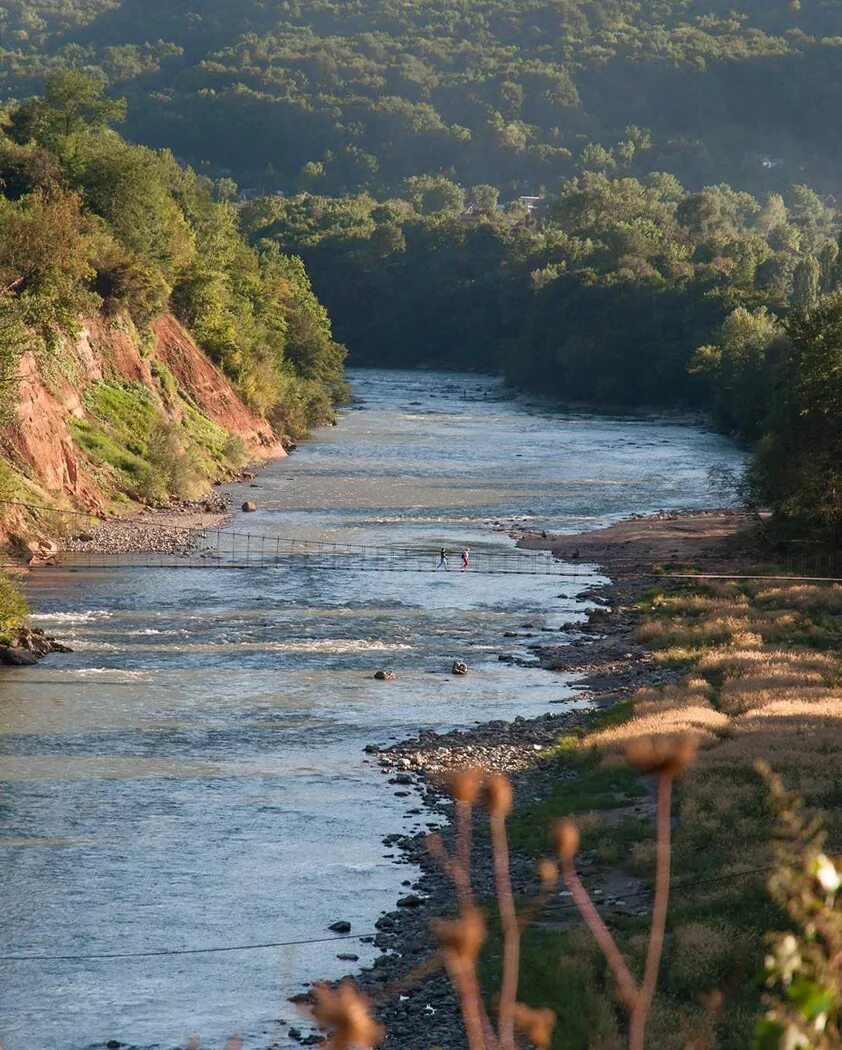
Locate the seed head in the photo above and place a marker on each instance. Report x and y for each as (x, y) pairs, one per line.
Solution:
(566, 839)
(547, 872)
(346, 1014)
(536, 1025)
(662, 755)
(466, 785)
(498, 795)
(461, 938)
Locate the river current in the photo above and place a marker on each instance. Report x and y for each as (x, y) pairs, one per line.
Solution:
(193, 775)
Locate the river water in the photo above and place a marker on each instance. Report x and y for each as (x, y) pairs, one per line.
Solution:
(193, 775)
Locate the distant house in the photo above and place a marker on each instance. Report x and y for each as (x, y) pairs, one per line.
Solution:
(530, 203)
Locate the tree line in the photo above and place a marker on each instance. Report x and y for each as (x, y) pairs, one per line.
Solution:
(618, 293)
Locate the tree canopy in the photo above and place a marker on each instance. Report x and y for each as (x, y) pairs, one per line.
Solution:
(89, 222)
(332, 96)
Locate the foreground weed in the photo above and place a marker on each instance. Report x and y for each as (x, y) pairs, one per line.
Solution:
(664, 759)
(804, 964)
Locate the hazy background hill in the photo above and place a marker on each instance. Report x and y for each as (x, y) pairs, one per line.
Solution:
(336, 96)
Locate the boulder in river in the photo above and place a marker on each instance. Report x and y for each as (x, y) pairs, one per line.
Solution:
(14, 657)
(249, 507)
(385, 676)
(340, 926)
(460, 667)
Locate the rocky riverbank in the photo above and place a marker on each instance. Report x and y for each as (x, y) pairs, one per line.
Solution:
(417, 1007)
(28, 646)
(173, 529)
(611, 666)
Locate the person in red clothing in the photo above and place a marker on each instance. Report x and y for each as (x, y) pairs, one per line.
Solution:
(466, 559)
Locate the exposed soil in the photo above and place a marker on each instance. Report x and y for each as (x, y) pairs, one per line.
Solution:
(39, 446)
(712, 540)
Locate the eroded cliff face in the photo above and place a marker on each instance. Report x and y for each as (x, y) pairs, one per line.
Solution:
(46, 461)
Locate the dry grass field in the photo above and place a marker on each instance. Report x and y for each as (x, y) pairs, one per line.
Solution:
(762, 679)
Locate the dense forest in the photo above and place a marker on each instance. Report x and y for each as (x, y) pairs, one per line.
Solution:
(622, 203)
(90, 224)
(621, 293)
(335, 97)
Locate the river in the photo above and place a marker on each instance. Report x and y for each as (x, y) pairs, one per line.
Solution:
(193, 775)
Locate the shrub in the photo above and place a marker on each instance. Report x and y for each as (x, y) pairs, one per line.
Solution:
(174, 465)
(13, 607)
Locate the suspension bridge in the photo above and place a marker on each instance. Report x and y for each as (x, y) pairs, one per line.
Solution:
(226, 549)
(173, 546)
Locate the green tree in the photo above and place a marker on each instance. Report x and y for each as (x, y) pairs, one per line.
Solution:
(742, 367)
(828, 262)
(133, 189)
(74, 104)
(773, 213)
(484, 199)
(798, 470)
(806, 283)
(434, 194)
(44, 265)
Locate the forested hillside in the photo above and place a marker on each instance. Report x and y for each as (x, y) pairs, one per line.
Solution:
(604, 299)
(331, 96)
(682, 251)
(113, 260)
(621, 292)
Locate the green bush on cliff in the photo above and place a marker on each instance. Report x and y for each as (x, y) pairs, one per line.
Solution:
(13, 608)
(90, 222)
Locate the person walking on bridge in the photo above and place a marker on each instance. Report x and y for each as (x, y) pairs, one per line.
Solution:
(466, 559)
(442, 560)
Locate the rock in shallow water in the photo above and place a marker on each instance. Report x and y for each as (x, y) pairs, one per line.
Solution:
(17, 657)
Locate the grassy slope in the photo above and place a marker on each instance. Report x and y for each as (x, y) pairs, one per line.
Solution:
(138, 449)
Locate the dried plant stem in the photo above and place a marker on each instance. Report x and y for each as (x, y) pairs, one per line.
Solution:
(457, 867)
(654, 951)
(461, 869)
(600, 933)
(473, 1014)
(511, 932)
